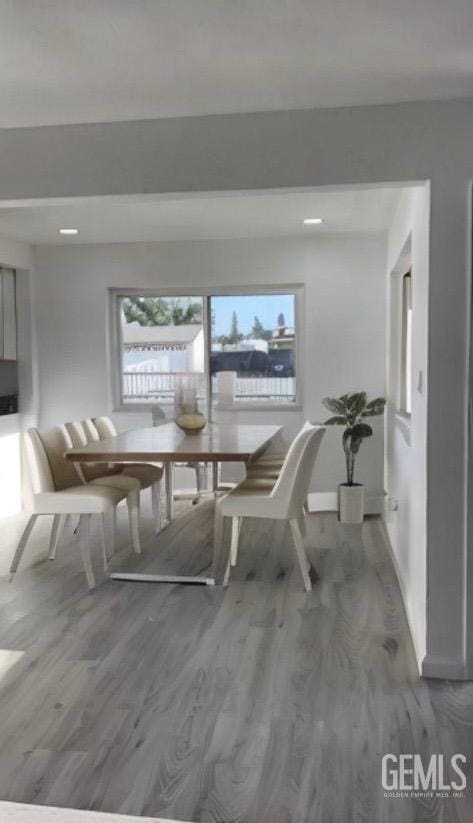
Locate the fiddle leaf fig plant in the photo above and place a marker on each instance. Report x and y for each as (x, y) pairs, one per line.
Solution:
(350, 411)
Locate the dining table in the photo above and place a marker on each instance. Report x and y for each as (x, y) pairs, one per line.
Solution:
(168, 444)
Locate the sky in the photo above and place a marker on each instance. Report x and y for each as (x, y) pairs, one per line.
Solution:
(265, 306)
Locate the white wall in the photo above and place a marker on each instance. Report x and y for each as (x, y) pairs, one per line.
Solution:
(343, 328)
(18, 256)
(354, 145)
(405, 464)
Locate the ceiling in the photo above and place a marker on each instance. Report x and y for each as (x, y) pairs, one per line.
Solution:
(71, 61)
(203, 217)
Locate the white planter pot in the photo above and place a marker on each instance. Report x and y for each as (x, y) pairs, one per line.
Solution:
(351, 503)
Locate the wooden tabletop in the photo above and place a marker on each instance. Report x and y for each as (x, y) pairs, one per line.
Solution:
(168, 443)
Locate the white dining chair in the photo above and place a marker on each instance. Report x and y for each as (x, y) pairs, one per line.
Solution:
(282, 498)
(108, 475)
(61, 495)
(149, 475)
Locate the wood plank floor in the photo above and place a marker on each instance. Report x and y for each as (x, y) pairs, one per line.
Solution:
(258, 703)
(22, 813)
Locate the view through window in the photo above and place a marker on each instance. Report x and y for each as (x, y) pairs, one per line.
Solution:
(251, 337)
(162, 339)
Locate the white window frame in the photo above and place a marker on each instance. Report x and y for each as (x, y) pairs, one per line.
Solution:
(405, 373)
(116, 347)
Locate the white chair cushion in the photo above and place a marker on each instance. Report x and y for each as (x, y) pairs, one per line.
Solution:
(266, 466)
(262, 471)
(78, 500)
(117, 481)
(246, 498)
(274, 461)
(145, 473)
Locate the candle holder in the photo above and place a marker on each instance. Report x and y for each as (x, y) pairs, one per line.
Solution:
(187, 415)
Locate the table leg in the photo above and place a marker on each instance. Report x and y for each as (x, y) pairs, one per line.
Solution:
(163, 578)
(217, 541)
(215, 477)
(169, 484)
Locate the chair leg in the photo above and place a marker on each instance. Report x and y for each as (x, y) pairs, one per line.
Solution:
(109, 532)
(169, 484)
(302, 524)
(301, 555)
(303, 530)
(215, 478)
(103, 540)
(84, 539)
(59, 524)
(22, 544)
(113, 530)
(226, 576)
(218, 538)
(199, 481)
(236, 527)
(133, 503)
(156, 504)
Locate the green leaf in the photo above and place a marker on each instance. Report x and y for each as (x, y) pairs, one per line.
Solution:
(357, 402)
(361, 430)
(353, 436)
(335, 421)
(355, 444)
(334, 405)
(374, 407)
(346, 441)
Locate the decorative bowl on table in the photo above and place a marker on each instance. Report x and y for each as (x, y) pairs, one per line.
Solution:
(191, 422)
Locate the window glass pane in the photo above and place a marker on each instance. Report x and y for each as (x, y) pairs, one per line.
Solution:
(253, 342)
(162, 338)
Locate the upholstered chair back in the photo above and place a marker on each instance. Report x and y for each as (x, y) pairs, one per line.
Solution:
(81, 434)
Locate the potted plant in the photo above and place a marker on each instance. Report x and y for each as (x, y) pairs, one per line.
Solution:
(350, 411)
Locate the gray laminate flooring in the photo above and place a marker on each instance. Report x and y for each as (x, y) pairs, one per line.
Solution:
(259, 703)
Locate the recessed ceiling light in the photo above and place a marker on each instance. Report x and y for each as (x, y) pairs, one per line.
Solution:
(312, 221)
(68, 231)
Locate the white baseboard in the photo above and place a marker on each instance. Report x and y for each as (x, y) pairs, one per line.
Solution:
(316, 501)
(445, 668)
(419, 654)
(328, 502)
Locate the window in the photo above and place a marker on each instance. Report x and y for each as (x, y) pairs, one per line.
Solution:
(253, 340)
(237, 348)
(405, 399)
(161, 339)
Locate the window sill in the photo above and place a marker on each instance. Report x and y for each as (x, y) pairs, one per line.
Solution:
(264, 407)
(403, 423)
(140, 407)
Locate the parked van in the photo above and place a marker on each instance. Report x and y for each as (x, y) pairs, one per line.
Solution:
(281, 362)
(245, 363)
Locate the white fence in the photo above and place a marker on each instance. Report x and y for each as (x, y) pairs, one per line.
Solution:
(259, 388)
(147, 385)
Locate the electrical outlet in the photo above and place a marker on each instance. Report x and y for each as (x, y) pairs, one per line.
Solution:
(391, 506)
